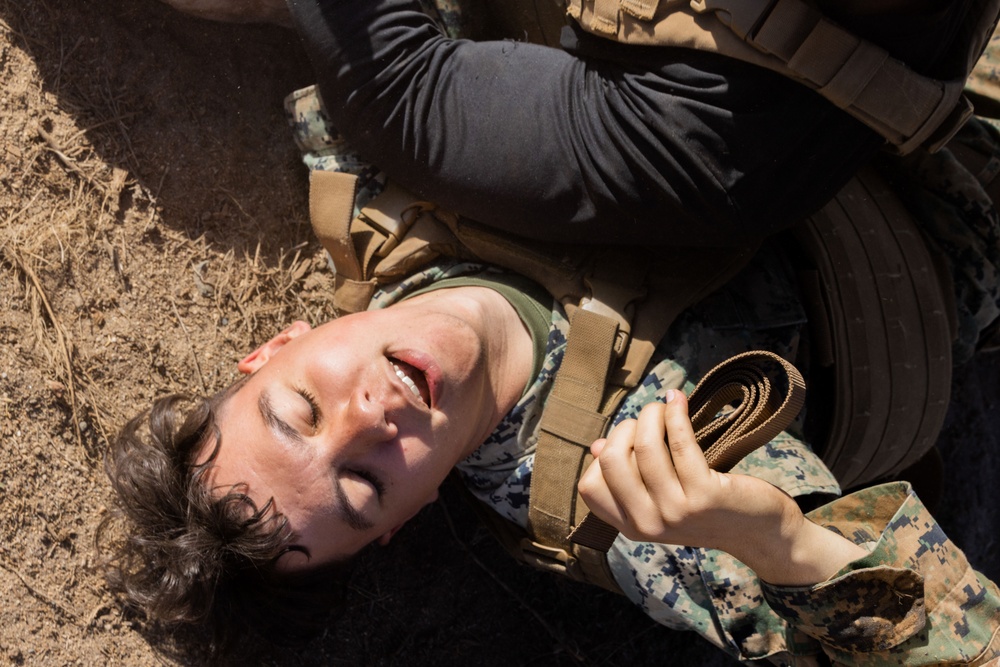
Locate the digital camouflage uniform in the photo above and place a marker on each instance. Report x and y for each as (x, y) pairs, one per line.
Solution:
(914, 599)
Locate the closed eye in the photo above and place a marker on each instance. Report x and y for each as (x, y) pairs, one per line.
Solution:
(371, 479)
(314, 411)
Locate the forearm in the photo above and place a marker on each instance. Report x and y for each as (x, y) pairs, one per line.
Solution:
(790, 550)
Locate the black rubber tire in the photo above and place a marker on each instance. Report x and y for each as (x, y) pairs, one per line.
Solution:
(887, 332)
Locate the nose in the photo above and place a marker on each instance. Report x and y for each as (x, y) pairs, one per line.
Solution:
(364, 420)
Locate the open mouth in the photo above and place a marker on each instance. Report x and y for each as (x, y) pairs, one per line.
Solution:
(413, 379)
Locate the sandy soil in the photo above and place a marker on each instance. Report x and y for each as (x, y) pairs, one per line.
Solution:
(152, 230)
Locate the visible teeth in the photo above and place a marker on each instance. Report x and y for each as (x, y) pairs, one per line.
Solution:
(407, 381)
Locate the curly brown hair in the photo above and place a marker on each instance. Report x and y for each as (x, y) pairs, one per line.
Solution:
(189, 555)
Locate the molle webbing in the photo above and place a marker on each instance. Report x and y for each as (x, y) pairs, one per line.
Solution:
(793, 38)
(576, 413)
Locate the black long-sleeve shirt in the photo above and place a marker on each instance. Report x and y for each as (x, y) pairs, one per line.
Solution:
(599, 141)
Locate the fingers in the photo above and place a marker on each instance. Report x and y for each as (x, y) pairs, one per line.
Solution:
(649, 474)
(688, 460)
(618, 465)
(652, 457)
(651, 481)
(593, 484)
(633, 471)
(597, 446)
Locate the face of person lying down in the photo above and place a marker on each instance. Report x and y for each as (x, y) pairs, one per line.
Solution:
(352, 426)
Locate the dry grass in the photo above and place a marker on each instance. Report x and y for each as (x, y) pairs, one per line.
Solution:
(152, 231)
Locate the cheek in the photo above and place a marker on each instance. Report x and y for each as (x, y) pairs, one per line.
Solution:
(458, 340)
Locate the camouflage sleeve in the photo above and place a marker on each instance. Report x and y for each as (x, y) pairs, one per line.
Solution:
(955, 209)
(913, 600)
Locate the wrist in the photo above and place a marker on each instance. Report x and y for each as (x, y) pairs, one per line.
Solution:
(815, 555)
(785, 548)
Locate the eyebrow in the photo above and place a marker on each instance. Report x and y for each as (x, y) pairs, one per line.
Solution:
(276, 424)
(348, 512)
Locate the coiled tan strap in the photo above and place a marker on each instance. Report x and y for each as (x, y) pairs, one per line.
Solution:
(740, 405)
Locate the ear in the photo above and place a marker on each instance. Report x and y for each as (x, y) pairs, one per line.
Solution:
(384, 539)
(260, 356)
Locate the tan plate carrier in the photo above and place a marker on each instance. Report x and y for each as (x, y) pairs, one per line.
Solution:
(619, 304)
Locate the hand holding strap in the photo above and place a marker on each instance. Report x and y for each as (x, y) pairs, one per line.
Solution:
(764, 393)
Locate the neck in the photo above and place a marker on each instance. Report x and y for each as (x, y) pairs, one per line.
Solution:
(509, 348)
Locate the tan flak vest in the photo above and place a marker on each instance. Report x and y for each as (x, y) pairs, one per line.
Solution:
(620, 303)
(793, 38)
(882, 336)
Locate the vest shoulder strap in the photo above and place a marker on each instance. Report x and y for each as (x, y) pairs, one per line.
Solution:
(793, 38)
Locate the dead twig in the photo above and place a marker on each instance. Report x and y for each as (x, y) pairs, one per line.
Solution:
(236, 201)
(90, 128)
(194, 355)
(10, 220)
(68, 162)
(95, 409)
(23, 267)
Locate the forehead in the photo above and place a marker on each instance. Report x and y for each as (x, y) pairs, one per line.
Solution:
(249, 453)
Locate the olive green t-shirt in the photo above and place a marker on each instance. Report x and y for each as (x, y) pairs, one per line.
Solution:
(532, 303)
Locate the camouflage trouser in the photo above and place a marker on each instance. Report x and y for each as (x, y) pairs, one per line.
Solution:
(961, 223)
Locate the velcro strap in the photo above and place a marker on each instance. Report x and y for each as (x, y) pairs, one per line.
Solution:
(784, 29)
(569, 425)
(768, 393)
(827, 50)
(585, 365)
(572, 423)
(352, 296)
(858, 76)
(863, 65)
(389, 214)
(906, 108)
(331, 209)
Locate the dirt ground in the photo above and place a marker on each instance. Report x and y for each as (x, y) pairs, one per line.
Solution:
(153, 229)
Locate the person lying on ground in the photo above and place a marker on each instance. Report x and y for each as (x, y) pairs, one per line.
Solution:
(340, 434)
(193, 574)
